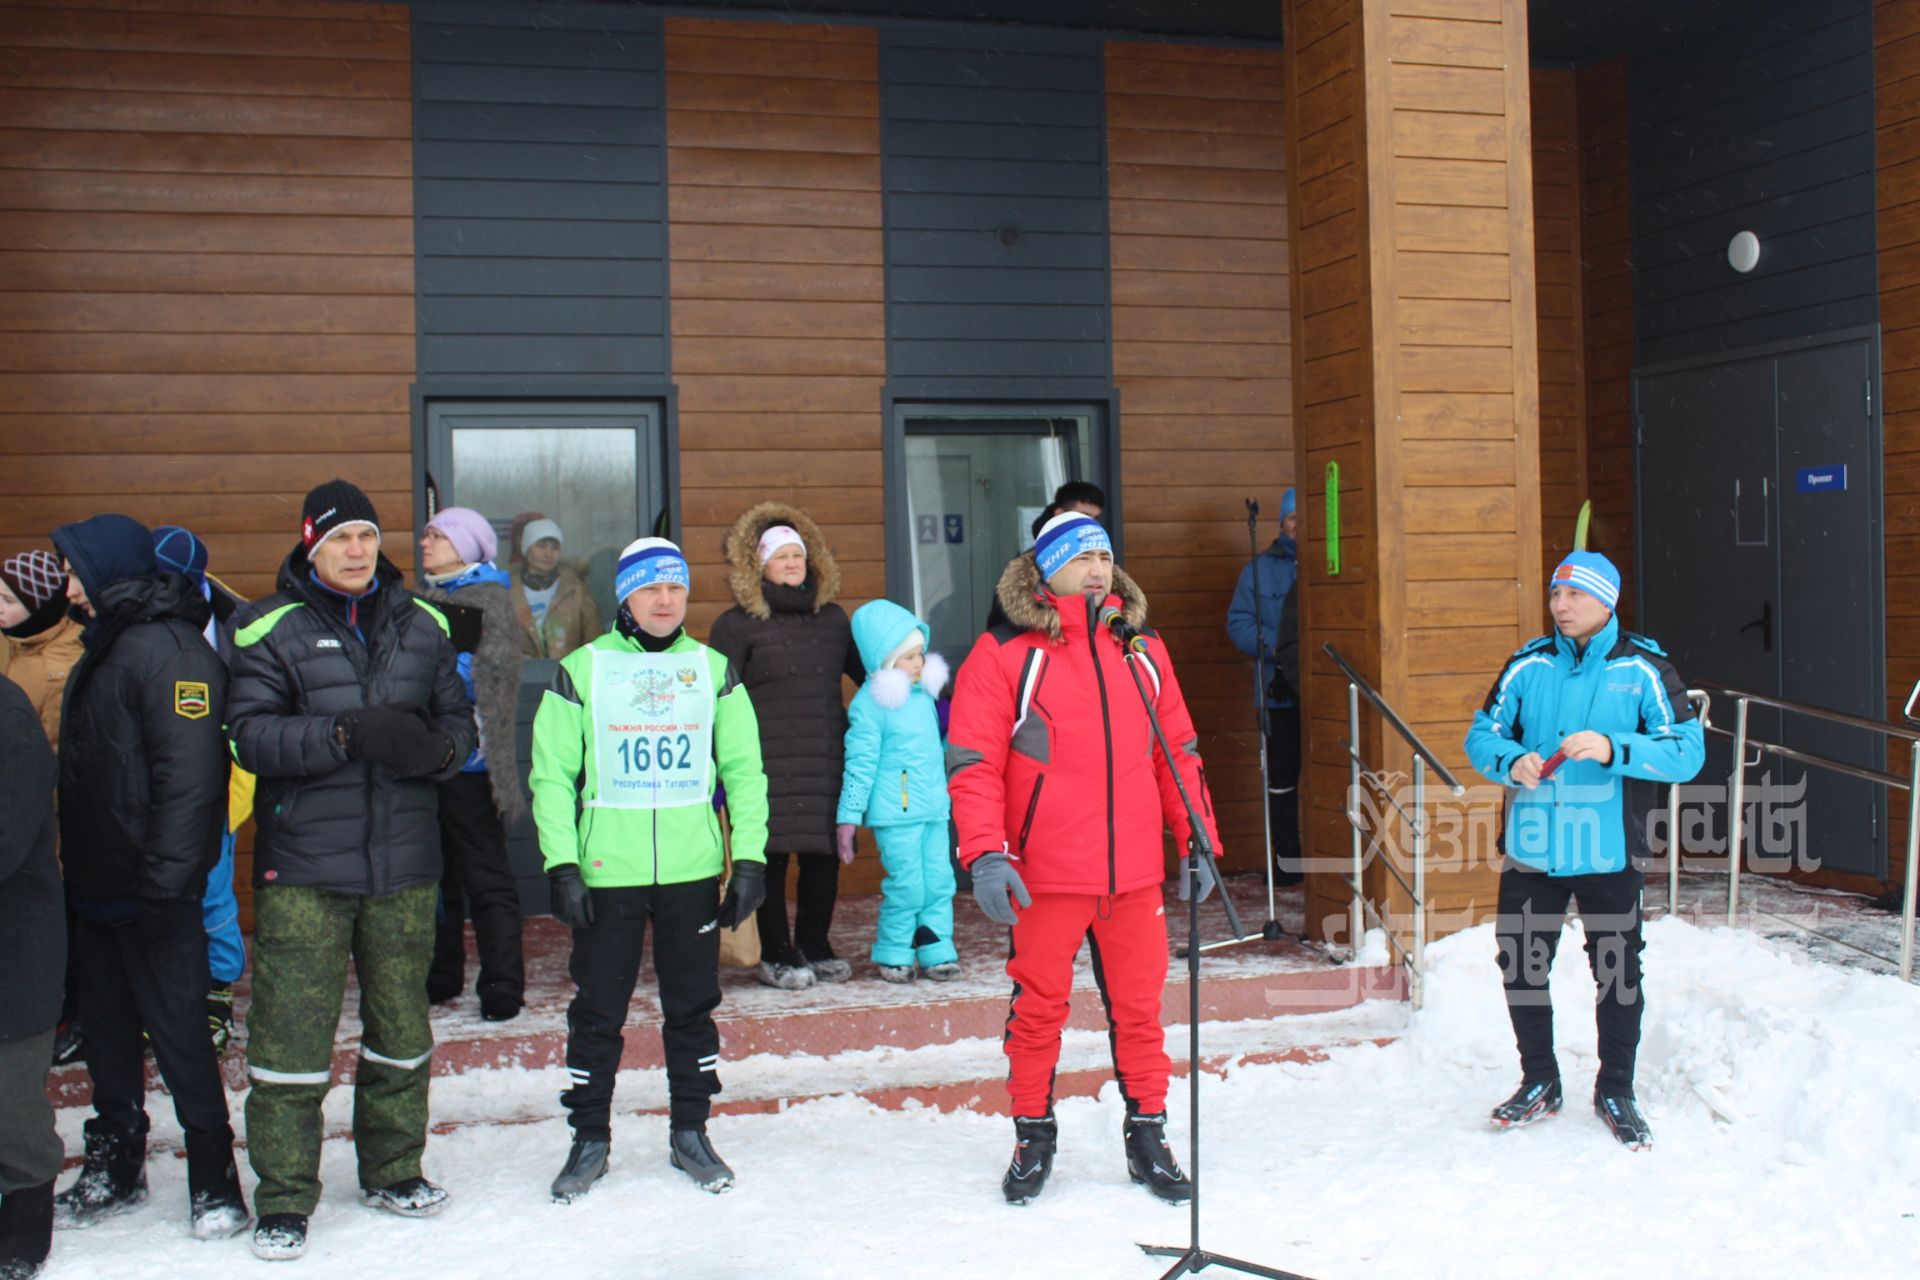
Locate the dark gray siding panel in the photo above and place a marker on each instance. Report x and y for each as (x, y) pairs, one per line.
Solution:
(539, 191)
(996, 211)
(1765, 125)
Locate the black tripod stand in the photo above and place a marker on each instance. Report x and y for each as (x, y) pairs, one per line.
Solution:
(1192, 1259)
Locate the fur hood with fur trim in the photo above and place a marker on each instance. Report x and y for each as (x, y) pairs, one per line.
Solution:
(1020, 597)
(742, 551)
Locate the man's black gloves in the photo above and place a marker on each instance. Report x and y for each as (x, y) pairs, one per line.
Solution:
(745, 892)
(405, 739)
(568, 895)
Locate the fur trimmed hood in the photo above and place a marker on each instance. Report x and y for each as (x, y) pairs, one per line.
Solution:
(742, 552)
(1019, 592)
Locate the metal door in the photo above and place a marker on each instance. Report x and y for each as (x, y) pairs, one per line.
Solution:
(1759, 569)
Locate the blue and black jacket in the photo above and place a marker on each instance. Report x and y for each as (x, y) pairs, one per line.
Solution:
(1588, 818)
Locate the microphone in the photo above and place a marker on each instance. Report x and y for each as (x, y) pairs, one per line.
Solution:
(1127, 637)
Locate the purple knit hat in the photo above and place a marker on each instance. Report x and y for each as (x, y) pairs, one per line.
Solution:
(472, 536)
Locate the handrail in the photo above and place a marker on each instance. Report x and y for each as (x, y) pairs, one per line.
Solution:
(1415, 958)
(1388, 714)
(1807, 757)
(1912, 698)
(1821, 713)
(1702, 705)
(1737, 787)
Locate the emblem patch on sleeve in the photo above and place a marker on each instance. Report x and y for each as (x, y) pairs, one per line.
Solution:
(190, 699)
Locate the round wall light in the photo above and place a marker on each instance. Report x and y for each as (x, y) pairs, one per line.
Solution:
(1743, 252)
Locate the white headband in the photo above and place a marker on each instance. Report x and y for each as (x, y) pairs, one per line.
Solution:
(779, 536)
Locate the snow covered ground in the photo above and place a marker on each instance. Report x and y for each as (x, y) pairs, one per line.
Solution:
(1785, 1095)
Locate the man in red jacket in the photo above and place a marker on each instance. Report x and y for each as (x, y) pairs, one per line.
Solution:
(1061, 794)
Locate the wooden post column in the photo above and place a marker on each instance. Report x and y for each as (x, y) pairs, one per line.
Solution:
(1416, 371)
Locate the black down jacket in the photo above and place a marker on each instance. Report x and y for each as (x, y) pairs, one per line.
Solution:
(790, 646)
(325, 821)
(143, 763)
(33, 925)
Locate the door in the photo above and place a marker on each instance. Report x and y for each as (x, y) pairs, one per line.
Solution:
(1760, 570)
(595, 469)
(971, 487)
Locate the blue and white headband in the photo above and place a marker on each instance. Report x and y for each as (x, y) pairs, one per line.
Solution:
(647, 561)
(1067, 535)
(1592, 573)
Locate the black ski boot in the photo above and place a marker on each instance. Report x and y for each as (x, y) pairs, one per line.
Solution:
(113, 1177)
(280, 1237)
(691, 1153)
(1034, 1142)
(1622, 1116)
(213, 1187)
(1150, 1160)
(26, 1231)
(586, 1165)
(409, 1197)
(1532, 1102)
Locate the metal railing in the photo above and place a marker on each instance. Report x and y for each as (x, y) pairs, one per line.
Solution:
(1910, 783)
(1414, 956)
(1702, 706)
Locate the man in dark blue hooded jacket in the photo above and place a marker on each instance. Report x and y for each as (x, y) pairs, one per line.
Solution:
(143, 797)
(1260, 626)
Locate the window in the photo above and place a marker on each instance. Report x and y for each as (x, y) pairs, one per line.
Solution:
(964, 489)
(592, 468)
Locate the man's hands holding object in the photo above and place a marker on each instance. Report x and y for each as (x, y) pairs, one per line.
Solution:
(1209, 877)
(1530, 770)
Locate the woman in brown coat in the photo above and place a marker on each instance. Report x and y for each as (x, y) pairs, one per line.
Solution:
(790, 644)
(555, 609)
(42, 642)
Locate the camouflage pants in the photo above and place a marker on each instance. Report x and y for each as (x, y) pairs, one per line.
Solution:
(301, 942)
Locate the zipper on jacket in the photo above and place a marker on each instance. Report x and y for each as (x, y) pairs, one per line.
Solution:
(1033, 807)
(1106, 723)
(903, 791)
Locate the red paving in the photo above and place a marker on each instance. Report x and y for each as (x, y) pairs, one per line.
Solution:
(1258, 980)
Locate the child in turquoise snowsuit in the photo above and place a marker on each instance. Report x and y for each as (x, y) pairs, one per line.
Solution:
(895, 782)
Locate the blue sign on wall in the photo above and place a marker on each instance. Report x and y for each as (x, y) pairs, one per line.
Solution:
(1823, 479)
(927, 529)
(956, 528)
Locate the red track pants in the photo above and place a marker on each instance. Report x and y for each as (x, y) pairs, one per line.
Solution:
(1129, 946)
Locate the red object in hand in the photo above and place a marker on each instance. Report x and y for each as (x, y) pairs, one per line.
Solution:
(1554, 761)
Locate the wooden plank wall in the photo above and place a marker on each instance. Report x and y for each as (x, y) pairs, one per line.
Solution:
(1458, 431)
(206, 269)
(1556, 256)
(1896, 100)
(778, 324)
(1332, 369)
(1202, 355)
(1607, 311)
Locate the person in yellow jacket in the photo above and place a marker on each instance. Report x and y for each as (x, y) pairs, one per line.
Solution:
(627, 744)
(42, 639)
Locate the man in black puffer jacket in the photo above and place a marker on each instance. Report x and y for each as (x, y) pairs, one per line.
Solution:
(347, 704)
(143, 798)
(33, 955)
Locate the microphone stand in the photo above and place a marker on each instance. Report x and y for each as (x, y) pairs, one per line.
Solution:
(1192, 1259)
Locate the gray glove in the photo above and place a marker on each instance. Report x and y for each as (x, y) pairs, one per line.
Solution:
(996, 884)
(1209, 878)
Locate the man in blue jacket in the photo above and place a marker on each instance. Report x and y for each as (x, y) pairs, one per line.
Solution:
(1254, 622)
(1585, 727)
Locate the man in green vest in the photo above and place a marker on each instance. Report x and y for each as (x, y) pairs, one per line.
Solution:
(627, 745)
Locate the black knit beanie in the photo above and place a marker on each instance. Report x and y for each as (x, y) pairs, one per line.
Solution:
(329, 508)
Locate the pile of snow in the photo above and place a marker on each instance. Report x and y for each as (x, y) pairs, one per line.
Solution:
(1784, 1094)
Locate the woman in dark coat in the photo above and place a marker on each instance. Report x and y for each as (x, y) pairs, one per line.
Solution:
(791, 644)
